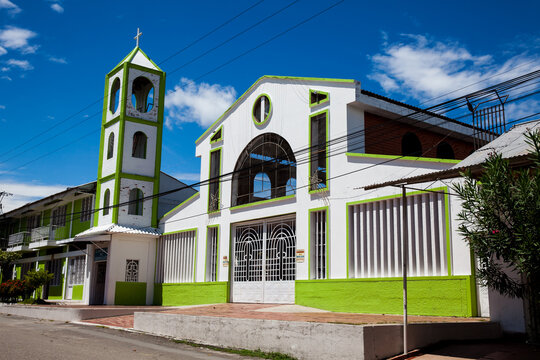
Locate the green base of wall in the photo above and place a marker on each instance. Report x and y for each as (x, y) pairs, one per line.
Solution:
(77, 293)
(190, 293)
(130, 293)
(439, 296)
(55, 293)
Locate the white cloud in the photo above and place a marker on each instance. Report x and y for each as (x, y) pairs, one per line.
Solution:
(422, 68)
(11, 7)
(56, 7)
(2, 107)
(520, 109)
(21, 64)
(2, 51)
(26, 192)
(12, 37)
(5, 77)
(201, 103)
(58, 60)
(187, 177)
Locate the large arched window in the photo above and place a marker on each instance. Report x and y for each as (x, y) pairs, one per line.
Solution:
(139, 145)
(106, 202)
(265, 170)
(135, 202)
(445, 151)
(410, 145)
(110, 147)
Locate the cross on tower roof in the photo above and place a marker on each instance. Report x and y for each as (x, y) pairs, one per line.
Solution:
(138, 36)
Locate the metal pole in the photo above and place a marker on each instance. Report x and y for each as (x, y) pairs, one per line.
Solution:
(404, 227)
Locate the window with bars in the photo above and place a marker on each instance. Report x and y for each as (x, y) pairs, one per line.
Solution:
(86, 209)
(132, 270)
(33, 222)
(375, 238)
(56, 270)
(59, 216)
(214, 203)
(76, 270)
(212, 234)
(135, 206)
(318, 168)
(318, 244)
(176, 257)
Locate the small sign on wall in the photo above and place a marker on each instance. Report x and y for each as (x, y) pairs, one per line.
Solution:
(300, 255)
(225, 261)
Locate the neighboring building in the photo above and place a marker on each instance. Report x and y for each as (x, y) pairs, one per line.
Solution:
(512, 145)
(99, 239)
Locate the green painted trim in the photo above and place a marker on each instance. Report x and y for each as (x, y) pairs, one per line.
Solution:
(429, 295)
(159, 140)
(190, 293)
(326, 209)
(230, 267)
(195, 255)
(101, 149)
(257, 203)
(347, 81)
(210, 176)
(217, 251)
(180, 205)
(257, 123)
(220, 138)
(120, 64)
(107, 178)
(407, 158)
(136, 177)
(130, 293)
(388, 197)
(327, 185)
(77, 292)
(448, 234)
(318, 92)
(111, 122)
(142, 121)
(180, 231)
(145, 69)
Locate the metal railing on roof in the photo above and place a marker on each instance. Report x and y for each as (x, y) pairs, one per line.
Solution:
(18, 239)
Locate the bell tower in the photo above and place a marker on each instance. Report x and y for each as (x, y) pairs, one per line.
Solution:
(130, 145)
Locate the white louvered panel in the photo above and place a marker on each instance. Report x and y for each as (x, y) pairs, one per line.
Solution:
(173, 257)
(375, 245)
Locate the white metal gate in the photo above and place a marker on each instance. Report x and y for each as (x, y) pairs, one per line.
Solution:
(264, 265)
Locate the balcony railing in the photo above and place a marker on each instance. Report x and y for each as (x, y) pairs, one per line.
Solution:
(43, 233)
(19, 239)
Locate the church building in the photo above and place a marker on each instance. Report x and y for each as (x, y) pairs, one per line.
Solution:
(281, 216)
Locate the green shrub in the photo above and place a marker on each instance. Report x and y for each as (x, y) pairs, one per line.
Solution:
(37, 278)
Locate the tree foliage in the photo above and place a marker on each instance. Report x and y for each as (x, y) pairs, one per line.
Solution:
(7, 258)
(500, 219)
(38, 278)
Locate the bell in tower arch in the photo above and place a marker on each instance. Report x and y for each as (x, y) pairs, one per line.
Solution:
(142, 94)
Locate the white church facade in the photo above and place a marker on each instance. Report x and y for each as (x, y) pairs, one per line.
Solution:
(282, 218)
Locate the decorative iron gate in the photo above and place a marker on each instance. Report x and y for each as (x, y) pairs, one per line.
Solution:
(264, 265)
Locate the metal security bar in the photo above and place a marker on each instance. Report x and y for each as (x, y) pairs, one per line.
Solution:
(280, 249)
(248, 253)
(318, 234)
(211, 253)
(176, 257)
(375, 238)
(56, 269)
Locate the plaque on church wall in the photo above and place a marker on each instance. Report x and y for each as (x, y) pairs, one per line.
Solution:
(225, 261)
(300, 255)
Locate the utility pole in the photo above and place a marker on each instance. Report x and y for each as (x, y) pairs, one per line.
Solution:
(3, 194)
(405, 255)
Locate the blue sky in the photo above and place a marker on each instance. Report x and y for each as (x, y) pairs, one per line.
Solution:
(54, 56)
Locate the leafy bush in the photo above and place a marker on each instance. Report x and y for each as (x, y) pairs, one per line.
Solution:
(37, 278)
(12, 290)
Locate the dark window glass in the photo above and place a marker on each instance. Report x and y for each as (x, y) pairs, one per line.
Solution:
(135, 202)
(139, 145)
(318, 156)
(110, 147)
(410, 145)
(445, 151)
(215, 171)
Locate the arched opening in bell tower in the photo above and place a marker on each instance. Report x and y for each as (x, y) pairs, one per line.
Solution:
(142, 94)
(114, 101)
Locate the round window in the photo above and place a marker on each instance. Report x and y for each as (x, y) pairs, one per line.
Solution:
(262, 109)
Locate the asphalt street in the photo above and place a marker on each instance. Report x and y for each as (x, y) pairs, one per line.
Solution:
(26, 338)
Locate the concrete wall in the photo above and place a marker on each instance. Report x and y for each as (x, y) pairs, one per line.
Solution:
(307, 340)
